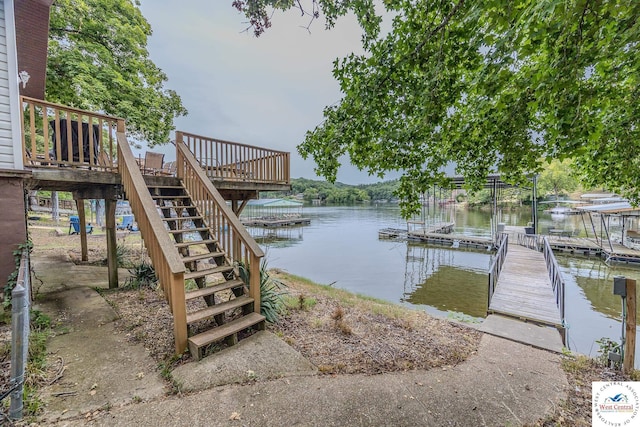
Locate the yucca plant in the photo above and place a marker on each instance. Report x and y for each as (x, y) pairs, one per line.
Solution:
(142, 274)
(272, 292)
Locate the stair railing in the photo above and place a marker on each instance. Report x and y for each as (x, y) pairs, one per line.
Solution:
(165, 258)
(496, 266)
(232, 237)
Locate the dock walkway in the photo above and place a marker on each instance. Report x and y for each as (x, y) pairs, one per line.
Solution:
(524, 289)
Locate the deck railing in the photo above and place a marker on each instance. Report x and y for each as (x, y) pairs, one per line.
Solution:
(496, 265)
(231, 161)
(557, 282)
(231, 234)
(54, 135)
(165, 258)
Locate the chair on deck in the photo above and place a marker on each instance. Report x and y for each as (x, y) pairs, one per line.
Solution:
(169, 169)
(152, 163)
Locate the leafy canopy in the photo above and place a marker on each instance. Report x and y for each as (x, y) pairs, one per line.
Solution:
(98, 60)
(557, 179)
(494, 86)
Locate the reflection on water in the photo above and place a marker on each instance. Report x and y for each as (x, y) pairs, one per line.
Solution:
(446, 279)
(277, 237)
(592, 310)
(341, 245)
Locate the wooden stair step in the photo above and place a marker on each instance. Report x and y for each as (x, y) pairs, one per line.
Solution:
(187, 230)
(164, 197)
(216, 334)
(195, 242)
(197, 257)
(176, 218)
(168, 187)
(210, 290)
(177, 207)
(206, 272)
(214, 310)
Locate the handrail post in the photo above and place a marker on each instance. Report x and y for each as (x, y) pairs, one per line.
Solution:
(254, 281)
(179, 309)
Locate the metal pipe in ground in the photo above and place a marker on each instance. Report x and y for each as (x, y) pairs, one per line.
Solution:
(19, 347)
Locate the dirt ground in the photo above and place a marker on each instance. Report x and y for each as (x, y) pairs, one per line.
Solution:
(338, 332)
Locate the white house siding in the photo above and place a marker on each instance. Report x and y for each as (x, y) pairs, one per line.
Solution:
(9, 101)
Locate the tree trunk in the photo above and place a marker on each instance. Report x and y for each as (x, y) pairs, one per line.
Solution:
(100, 212)
(33, 200)
(55, 208)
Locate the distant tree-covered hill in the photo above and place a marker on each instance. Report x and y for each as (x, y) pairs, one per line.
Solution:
(338, 192)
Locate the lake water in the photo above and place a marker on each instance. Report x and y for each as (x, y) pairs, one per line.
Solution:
(341, 247)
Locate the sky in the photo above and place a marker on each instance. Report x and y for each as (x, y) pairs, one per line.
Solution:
(267, 91)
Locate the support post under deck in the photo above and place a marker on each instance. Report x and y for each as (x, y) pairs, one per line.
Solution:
(83, 229)
(112, 261)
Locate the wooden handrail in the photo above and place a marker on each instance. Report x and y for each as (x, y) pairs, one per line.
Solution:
(55, 135)
(165, 258)
(232, 237)
(496, 265)
(232, 161)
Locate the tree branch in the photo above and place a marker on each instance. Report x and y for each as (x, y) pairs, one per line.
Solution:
(100, 40)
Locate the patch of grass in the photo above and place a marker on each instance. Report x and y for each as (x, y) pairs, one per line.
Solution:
(301, 302)
(190, 285)
(575, 364)
(347, 299)
(165, 369)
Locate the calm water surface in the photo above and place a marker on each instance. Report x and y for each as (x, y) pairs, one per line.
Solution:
(341, 247)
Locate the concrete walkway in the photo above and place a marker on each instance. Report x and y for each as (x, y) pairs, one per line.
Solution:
(111, 382)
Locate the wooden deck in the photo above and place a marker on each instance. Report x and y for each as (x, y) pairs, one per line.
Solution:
(524, 289)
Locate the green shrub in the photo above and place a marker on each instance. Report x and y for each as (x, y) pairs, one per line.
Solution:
(272, 292)
(142, 275)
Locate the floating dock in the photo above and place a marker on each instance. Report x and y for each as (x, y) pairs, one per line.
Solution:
(275, 222)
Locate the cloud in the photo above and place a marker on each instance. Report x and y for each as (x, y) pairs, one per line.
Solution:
(265, 91)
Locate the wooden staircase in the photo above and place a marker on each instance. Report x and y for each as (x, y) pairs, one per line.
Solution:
(218, 304)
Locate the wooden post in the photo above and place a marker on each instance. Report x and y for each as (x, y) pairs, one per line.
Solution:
(112, 261)
(83, 229)
(630, 328)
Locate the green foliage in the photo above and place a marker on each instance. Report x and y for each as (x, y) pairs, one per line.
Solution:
(39, 321)
(606, 346)
(338, 192)
(123, 255)
(301, 302)
(142, 274)
(98, 60)
(498, 86)
(12, 280)
(272, 292)
(556, 179)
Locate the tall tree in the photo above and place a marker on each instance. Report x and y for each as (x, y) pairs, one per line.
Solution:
(98, 60)
(556, 179)
(494, 86)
